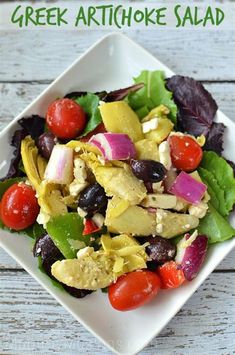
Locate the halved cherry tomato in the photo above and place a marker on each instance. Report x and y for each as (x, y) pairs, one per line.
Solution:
(19, 207)
(186, 153)
(133, 290)
(65, 118)
(171, 275)
(99, 129)
(90, 227)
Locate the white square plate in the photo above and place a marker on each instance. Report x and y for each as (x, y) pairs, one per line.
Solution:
(110, 64)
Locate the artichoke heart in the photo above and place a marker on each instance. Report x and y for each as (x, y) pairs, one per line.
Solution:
(93, 161)
(170, 224)
(116, 180)
(147, 149)
(160, 111)
(34, 164)
(133, 220)
(49, 196)
(50, 199)
(128, 252)
(82, 147)
(164, 127)
(90, 271)
(97, 269)
(117, 206)
(118, 117)
(41, 164)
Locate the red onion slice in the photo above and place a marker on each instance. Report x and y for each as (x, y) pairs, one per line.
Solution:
(59, 169)
(186, 187)
(191, 253)
(114, 146)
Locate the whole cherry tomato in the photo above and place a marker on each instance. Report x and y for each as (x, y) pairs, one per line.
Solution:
(133, 290)
(19, 207)
(186, 153)
(171, 275)
(65, 118)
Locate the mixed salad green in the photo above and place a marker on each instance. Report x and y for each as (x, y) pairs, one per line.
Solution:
(122, 191)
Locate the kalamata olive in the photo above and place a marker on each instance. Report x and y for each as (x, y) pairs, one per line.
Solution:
(45, 247)
(148, 170)
(160, 250)
(93, 199)
(46, 144)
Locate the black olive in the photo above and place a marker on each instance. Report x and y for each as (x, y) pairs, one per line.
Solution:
(160, 250)
(45, 247)
(148, 170)
(93, 199)
(46, 143)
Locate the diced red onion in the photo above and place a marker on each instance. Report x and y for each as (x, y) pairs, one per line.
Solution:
(114, 146)
(59, 169)
(186, 187)
(191, 254)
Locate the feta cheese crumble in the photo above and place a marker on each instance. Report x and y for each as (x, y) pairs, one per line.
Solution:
(164, 154)
(150, 125)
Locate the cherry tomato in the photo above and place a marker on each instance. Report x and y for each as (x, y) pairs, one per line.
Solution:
(171, 275)
(19, 207)
(133, 290)
(65, 118)
(186, 153)
(99, 129)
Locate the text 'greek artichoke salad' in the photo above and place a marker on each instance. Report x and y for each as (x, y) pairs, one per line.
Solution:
(123, 191)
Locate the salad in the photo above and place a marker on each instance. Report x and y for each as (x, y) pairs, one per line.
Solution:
(122, 191)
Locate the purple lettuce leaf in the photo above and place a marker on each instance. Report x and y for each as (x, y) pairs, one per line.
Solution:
(196, 106)
(33, 125)
(76, 94)
(14, 169)
(120, 94)
(214, 139)
(111, 96)
(75, 292)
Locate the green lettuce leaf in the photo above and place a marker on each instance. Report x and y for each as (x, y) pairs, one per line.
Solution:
(217, 195)
(215, 226)
(222, 172)
(66, 233)
(52, 280)
(153, 94)
(33, 231)
(90, 103)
